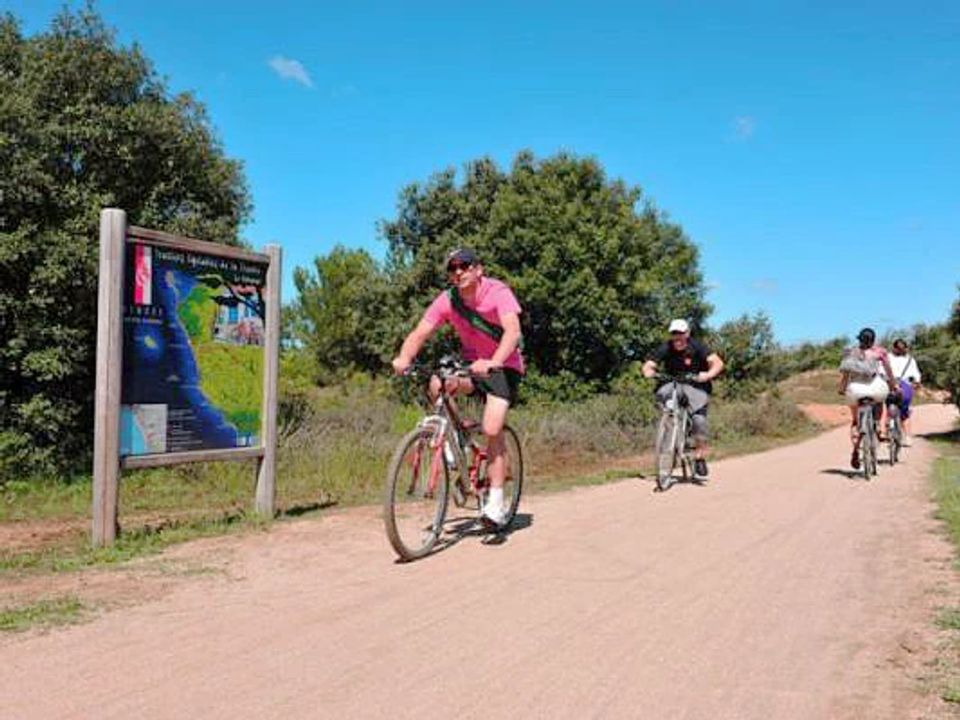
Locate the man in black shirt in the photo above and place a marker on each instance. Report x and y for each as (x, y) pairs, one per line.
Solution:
(679, 356)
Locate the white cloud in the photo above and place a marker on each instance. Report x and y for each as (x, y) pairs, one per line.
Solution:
(290, 69)
(744, 126)
(765, 285)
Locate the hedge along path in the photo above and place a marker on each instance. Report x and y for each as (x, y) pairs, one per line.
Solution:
(782, 589)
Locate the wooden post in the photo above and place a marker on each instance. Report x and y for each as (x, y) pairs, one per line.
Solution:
(267, 464)
(106, 422)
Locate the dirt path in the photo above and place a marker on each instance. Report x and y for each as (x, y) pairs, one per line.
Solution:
(783, 589)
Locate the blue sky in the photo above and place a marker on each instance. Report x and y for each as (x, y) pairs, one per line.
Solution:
(810, 149)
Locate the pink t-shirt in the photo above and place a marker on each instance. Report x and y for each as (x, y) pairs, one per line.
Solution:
(493, 300)
(877, 351)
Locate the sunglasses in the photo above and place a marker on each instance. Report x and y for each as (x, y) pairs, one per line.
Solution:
(457, 266)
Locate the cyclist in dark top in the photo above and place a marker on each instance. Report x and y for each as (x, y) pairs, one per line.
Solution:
(682, 355)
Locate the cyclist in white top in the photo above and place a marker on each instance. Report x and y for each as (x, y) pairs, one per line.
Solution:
(907, 373)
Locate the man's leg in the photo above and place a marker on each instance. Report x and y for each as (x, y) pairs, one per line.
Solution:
(453, 386)
(701, 445)
(854, 437)
(494, 418)
(906, 397)
(699, 400)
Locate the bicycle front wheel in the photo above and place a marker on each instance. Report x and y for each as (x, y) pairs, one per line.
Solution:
(895, 437)
(415, 499)
(867, 447)
(666, 449)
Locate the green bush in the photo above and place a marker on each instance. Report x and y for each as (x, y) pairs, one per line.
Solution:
(769, 416)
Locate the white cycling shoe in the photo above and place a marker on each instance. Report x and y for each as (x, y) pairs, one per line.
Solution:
(493, 514)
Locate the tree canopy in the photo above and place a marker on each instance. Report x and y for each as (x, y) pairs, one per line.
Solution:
(598, 270)
(85, 124)
(336, 309)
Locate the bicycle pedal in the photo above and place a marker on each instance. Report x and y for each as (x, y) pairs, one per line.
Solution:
(490, 526)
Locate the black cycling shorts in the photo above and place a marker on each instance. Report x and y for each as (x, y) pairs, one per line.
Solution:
(503, 383)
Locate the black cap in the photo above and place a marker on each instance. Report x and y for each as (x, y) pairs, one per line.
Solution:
(464, 255)
(867, 336)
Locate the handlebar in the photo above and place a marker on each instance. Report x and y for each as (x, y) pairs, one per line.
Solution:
(444, 369)
(679, 377)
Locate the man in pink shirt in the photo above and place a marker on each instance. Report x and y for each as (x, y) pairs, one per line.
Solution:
(486, 315)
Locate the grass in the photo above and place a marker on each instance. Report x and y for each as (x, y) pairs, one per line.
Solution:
(71, 556)
(49, 612)
(946, 484)
(812, 387)
(336, 453)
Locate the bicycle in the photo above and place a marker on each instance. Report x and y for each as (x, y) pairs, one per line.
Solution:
(894, 427)
(443, 446)
(866, 428)
(674, 434)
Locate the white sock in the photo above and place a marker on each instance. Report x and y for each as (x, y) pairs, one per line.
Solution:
(496, 498)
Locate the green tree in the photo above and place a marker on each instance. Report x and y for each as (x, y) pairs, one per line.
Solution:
(748, 348)
(336, 312)
(598, 270)
(952, 373)
(84, 124)
(937, 350)
(810, 356)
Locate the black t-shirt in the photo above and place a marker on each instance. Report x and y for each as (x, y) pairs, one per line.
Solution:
(691, 360)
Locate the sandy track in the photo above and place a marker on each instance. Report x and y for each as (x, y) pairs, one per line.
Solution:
(783, 589)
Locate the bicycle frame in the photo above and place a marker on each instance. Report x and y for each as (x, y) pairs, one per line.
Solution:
(447, 431)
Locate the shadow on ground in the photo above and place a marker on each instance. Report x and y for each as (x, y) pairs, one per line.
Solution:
(676, 481)
(849, 474)
(305, 508)
(461, 527)
(951, 436)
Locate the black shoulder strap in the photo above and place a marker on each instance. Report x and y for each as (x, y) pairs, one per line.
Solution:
(476, 320)
(906, 367)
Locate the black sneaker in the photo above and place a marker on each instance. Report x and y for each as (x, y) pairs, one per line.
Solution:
(855, 459)
(700, 467)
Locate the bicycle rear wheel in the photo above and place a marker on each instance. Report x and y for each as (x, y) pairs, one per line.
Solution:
(871, 445)
(513, 476)
(865, 425)
(415, 499)
(895, 436)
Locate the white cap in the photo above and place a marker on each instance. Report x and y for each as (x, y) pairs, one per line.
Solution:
(679, 325)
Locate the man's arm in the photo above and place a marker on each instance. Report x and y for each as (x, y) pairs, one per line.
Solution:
(510, 322)
(411, 346)
(649, 368)
(714, 367)
(844, 381)
(891, 378)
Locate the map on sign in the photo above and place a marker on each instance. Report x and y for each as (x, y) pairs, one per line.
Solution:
(193, 335)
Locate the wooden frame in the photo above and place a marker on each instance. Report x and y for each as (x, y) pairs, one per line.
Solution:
(114, 236)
